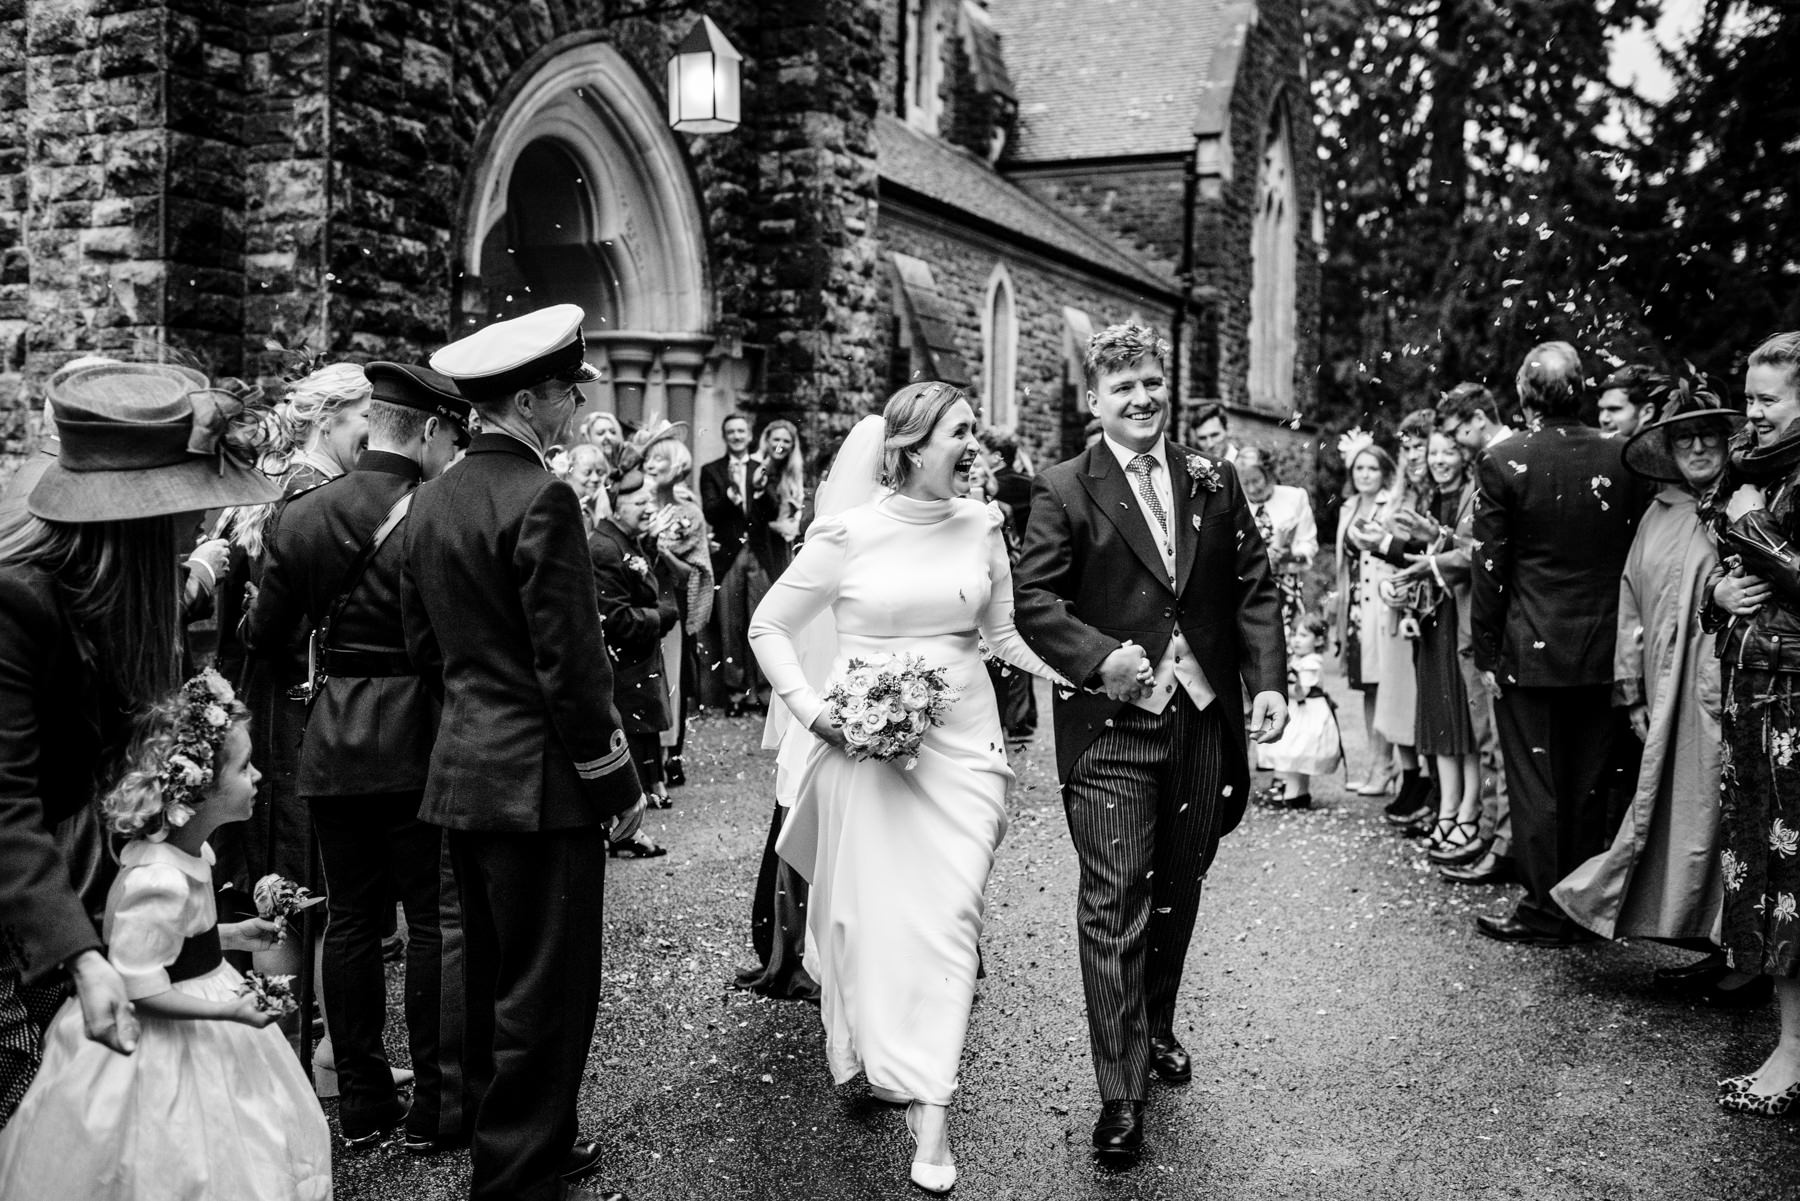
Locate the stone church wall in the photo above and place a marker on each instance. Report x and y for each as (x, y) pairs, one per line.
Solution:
(1049, 422)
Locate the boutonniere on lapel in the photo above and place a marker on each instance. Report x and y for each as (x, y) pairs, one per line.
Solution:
(638, 564)
(1202, 474)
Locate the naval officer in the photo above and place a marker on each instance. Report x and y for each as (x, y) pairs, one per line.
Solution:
(531, 761)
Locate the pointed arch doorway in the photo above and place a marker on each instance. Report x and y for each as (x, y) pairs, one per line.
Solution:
(579, 193)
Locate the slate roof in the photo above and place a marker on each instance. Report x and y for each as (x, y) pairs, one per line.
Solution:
(941, 172)
(1112, 78)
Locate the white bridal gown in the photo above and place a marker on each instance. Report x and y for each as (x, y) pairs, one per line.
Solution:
(898, 859)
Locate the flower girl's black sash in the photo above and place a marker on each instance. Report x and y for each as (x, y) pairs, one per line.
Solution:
(199, 955)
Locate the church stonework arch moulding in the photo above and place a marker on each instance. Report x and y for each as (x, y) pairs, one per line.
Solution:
(579, 193)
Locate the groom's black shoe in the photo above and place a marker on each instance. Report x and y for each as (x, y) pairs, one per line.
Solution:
(1170, 1061)
(1120, 1131)
(583, 1159)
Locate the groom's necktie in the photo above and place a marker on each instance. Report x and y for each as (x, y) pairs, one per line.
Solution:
(1140, 468)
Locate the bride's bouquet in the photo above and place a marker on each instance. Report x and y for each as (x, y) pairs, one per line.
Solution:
(884, 706)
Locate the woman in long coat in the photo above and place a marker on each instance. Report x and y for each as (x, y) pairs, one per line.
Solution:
(89, 634)
(1660, 878)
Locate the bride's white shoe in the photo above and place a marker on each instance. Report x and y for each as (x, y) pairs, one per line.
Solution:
(932, 1177)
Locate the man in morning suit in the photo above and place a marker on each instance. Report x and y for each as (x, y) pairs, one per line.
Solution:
(725, 485)
(333, 567)
(530, 763)
(1554, 517)
(1142, 555)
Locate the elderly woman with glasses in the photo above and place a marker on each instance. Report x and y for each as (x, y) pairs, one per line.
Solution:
(1660, 878)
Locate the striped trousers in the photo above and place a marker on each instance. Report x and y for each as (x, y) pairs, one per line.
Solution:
(1144, 810)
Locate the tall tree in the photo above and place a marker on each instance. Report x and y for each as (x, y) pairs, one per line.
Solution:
(1471, 204)
(1715, 214)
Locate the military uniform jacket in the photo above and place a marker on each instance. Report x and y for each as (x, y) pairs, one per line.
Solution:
(370, 729)
(60, 730)
(497, 596)
(637, 607)
(1554, 519)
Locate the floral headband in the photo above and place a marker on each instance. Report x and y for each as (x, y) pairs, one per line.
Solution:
(189, 763)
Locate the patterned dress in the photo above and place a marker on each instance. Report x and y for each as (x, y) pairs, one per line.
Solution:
(1759, 792)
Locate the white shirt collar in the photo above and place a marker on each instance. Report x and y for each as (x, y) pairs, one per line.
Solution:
(1159, 452)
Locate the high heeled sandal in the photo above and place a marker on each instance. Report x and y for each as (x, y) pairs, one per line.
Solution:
(932, 1177)
(1441, 830)
(1464, 845)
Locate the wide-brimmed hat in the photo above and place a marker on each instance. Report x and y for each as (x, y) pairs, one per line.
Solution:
(1682, 405)
(659, 430)
(142, 440)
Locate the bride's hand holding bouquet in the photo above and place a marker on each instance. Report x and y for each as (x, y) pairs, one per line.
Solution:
(882, 707)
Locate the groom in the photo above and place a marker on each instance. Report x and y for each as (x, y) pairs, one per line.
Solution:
(1141, 552)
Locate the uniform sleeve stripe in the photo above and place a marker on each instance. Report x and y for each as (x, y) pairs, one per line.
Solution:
(593, 769)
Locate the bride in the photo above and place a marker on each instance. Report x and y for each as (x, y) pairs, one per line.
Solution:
(898, 560)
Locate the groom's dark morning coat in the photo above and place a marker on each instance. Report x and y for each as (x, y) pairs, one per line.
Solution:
(1090, 577)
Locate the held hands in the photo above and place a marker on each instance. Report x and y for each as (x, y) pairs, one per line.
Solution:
(1268, 716)
(1741, 594)
(1126, 674)
(1640, 721)
(1491, 682)
(106, 1012)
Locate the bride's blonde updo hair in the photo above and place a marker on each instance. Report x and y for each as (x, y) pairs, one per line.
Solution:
(909, 416)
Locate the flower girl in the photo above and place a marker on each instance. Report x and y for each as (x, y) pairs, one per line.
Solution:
(212, 1105)
(1311, 745)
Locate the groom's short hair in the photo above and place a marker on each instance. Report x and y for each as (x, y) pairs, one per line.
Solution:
(1119, 346)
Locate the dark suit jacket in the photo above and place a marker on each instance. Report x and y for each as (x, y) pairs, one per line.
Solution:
(1553, 523)
(497, 598)
(1090, 577)
(363, 735)
(728, 521)
(61, 732)
(637, 607)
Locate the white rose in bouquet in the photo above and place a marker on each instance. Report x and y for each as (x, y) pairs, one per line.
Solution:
(914, 695)
(876, 718)
(860, 681)
(857, 734)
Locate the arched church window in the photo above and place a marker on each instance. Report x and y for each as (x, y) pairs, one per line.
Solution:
(1274, 258)
(1000, 352)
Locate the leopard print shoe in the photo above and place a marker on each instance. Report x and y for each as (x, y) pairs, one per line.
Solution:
(1735, 1096)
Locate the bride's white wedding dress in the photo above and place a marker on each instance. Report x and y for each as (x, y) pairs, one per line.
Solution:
(898, 859)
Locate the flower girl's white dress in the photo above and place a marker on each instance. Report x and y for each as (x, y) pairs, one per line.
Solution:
(202, 1110)
(898, 859)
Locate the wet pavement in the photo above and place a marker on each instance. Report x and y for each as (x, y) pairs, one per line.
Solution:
(1352, 1036)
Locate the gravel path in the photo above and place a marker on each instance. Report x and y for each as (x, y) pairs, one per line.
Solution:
(1352, 1037)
